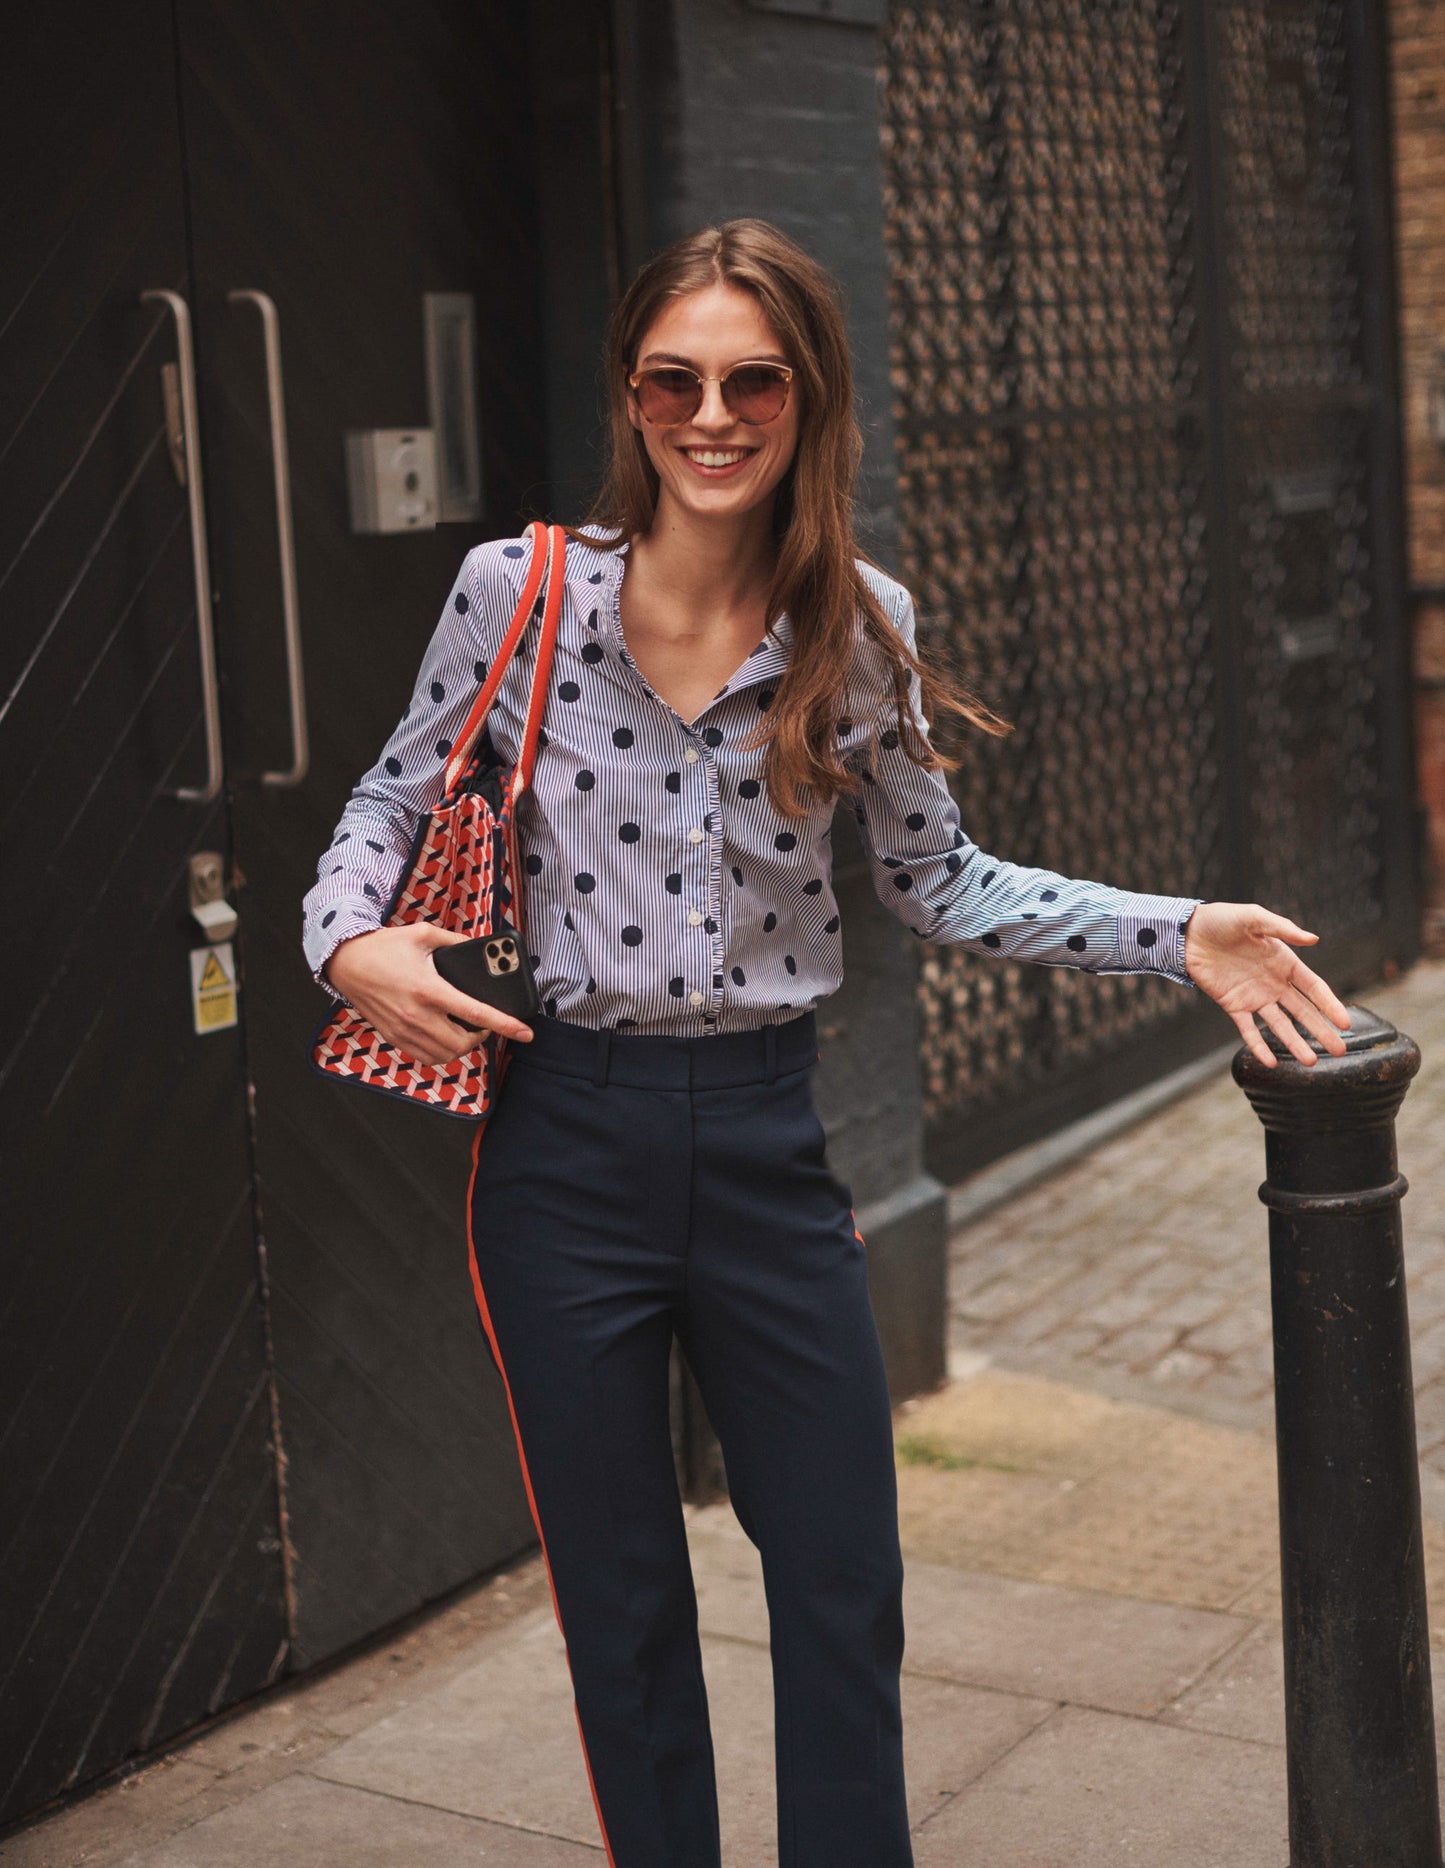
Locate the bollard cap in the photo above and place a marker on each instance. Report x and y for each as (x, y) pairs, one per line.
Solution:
(1364, 1087)
(1367, 1032)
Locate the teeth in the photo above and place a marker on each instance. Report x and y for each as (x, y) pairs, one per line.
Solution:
(716, 457)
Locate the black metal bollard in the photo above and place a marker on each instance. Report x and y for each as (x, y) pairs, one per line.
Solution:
(1359, 1721)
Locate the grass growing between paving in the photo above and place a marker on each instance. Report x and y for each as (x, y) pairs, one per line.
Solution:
(915, 1449)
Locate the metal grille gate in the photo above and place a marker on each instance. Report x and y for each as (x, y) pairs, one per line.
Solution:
(1145, 405)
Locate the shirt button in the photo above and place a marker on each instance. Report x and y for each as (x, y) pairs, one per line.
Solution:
(691, 755)
(694, 917)
(694, 836)
(694, 998)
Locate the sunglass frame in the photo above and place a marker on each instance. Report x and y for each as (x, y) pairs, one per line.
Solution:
(784, 370)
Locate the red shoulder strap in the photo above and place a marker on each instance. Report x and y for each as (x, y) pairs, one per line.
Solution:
(537, 700)
(536, 703)
(477, 718)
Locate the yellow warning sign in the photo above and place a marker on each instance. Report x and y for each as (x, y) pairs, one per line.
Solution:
(213, 988)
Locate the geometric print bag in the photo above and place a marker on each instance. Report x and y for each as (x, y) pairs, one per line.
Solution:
(462, 873)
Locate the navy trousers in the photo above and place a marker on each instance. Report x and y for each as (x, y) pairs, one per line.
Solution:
(627, 1187)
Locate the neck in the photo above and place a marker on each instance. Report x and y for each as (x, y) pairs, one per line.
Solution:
(709, 566)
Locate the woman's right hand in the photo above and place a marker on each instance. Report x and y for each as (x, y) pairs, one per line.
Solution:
(388, 976)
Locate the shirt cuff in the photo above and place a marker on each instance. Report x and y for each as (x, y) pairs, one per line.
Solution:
(339, 923)
(1149, 935)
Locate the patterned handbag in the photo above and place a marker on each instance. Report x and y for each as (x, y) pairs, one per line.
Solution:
(463, 872)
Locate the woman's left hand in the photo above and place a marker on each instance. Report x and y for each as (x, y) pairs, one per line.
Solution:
(1241, 955)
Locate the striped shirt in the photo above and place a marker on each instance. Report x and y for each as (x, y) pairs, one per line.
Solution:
(663, 892)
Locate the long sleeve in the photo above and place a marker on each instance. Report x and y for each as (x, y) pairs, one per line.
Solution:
(928, 873)
(358, 874)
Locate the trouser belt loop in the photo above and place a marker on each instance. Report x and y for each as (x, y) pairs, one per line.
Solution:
(770, 1052)
(603, 1056)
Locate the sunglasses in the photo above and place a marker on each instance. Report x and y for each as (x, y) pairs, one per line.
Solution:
(670, 393)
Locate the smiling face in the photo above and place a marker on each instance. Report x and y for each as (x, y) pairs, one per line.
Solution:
(716, 466)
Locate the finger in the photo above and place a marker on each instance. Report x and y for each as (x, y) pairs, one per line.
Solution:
(1284, 929)
(1250, 1032)
(1309, 982)
(500, 1022)
(474, 1013)
(429, 936)
(438, 1041)
(1279, 1023)
(1313, 1019)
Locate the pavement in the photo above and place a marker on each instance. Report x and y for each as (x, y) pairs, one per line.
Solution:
(1093, 1673)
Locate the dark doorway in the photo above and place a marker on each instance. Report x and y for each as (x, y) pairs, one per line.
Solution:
(345, 163)
(248, 1414)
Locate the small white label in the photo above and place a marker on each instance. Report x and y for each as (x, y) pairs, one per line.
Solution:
(213, 988)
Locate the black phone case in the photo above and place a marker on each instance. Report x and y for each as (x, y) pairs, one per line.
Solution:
(496, 969)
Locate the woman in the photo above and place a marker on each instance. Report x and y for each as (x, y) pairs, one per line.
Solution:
(727, 667)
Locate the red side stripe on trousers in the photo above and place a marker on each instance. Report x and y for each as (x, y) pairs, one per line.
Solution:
(486, 1317)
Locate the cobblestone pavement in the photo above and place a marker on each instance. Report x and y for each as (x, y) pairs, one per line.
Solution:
(1142, 1270)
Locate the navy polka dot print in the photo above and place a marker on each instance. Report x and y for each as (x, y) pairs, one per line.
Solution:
(664, 892)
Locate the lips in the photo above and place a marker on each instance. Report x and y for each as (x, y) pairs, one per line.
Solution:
(717, 463)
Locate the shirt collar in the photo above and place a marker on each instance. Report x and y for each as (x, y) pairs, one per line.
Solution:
(602, 588)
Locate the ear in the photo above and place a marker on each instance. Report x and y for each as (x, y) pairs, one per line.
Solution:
(634, 414)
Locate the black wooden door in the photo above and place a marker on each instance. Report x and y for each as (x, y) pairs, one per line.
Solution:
(140, 1571)
(247, 1415)
(345, 159)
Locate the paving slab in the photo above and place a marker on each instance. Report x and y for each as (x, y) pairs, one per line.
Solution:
(1074, 1644)
(499, 1741)
(1242, 1694)
(727, 1574)
(1095, 1790)
(303, 1822)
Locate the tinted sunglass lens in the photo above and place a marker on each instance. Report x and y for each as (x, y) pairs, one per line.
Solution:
(757, 393)
(669, 396)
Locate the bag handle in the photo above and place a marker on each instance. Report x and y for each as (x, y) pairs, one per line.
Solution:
(539, 568)
(536, 702)
(537, 699)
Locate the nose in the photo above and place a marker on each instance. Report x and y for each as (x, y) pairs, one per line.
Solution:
(713, 413)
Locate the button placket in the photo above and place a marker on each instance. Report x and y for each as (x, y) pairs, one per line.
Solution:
(706, 834)
(692, 758)
(708, 765)
(763, 666)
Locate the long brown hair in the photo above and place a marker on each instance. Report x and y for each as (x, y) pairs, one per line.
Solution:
(817, 580)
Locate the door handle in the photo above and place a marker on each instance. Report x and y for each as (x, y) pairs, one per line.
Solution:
(200, 557)
(285, 539)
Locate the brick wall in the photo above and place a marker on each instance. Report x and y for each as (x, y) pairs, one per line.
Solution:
(1417, 33)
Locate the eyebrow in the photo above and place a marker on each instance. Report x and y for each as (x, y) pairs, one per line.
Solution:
(668, 356)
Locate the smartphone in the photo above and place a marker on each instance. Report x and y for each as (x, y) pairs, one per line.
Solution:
(497, 970)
